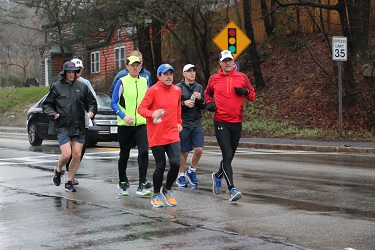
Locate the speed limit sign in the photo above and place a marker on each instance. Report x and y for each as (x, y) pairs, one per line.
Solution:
(339, 48)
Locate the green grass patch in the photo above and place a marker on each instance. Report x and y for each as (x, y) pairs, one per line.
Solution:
(15, 103)
(15, 99)
(260, 121)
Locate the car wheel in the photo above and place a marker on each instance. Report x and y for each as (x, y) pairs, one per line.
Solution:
(34, 139)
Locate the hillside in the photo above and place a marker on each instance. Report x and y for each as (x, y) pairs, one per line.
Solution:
(303, 94)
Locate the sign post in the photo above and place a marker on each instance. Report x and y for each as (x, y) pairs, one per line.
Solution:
(232, 38)
(339, 54)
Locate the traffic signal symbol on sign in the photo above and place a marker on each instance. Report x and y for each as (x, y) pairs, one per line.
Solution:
(232, 38)
(232, 43)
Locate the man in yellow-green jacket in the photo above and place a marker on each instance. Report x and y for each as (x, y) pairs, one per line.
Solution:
(127, 95)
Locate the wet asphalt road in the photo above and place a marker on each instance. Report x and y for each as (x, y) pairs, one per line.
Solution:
(292, 200)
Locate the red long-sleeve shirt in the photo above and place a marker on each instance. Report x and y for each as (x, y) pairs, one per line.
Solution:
(161, 96)
(229, 105)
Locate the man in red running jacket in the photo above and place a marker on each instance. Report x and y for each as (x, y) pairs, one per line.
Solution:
(224, 95)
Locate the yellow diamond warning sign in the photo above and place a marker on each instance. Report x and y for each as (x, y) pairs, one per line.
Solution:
(232, 38)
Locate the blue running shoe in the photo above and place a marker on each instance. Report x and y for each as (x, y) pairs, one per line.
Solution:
(181, 182)
(234, 194)
(192, 177)
(216, 184)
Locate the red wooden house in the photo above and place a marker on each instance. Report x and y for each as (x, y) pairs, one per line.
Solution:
(103, 57)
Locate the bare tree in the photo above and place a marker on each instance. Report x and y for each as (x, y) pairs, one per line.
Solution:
(190, 25)
(260, 84)
(21, 53)
(20, 40)
(150, 45)
(359, 11)
(354, 46)
(267, 18)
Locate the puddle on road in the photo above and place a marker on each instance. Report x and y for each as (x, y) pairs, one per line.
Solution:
(313, 207)
(345, 196)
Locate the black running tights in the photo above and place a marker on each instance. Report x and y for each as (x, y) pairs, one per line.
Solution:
(173, 151)
(228, 136)
(127, 135)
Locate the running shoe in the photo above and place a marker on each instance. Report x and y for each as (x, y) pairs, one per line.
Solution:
(192, 177)
(216, 184)
(169, 197)
(234, 194)
(181, 181)
(74, 181)
(143, 191)
(69, 187)
(122, 189)
(148, 184)
(157, 201)
(56, 178)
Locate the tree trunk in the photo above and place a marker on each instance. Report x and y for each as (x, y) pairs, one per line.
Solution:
(350, 95)
(236, 7)
(156, 44)
(146, 49)
(201, 46)
(273, 18)
(359, 11)
(259, 81)
(298, 15)
(266, 20)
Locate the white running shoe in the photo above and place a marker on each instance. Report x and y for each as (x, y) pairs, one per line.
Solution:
(122, 189)
(143, 191)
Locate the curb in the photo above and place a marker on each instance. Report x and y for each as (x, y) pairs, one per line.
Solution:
(325, 149)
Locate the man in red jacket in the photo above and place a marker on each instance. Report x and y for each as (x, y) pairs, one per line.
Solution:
(224, 95)
(161, 107)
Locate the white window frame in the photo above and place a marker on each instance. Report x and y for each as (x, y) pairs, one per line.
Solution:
(120, 57)
(95, 62)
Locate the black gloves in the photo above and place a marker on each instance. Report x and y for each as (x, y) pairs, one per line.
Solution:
(211, 107)
(241, 91)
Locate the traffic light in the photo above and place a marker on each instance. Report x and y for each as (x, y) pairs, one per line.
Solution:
(232, 40)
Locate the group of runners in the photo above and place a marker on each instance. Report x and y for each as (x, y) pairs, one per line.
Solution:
(164, 117)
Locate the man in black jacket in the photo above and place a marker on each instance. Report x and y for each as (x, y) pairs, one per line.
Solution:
(65, 105)
(192, 136)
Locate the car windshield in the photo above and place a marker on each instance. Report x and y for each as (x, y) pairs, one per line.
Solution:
(104, 102)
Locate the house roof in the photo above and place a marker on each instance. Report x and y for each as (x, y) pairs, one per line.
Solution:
(101, 38)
